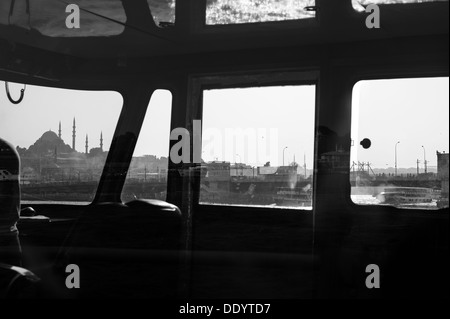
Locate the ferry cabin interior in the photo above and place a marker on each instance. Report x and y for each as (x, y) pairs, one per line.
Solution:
(182, 248)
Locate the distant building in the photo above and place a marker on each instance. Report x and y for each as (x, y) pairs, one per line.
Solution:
(281, 174)
(240, 169)
(442, 159)
(218, 171)
(47, 143)
(336, 161)
(51, 159)
(267, 170)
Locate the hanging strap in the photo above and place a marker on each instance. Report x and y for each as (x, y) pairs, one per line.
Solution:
(22, 93)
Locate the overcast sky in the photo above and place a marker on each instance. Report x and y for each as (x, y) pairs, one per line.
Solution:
(286, 112)
(42, 109)
(414, 112)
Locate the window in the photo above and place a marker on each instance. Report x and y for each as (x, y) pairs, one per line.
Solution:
(62, 137)
(257, 146)
(147, 175)
(253, 11)
(97, 18)
(359, 5)
(406, 162)
(163, 11)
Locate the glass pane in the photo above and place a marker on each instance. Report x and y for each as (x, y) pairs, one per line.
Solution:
(359, 5)
(62, 137)
(49, 17)
(252, 11)
(406, 163)
(257, 146)
(163, 11)
(147, 176)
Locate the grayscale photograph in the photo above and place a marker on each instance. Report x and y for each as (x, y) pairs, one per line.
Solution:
(223, 155)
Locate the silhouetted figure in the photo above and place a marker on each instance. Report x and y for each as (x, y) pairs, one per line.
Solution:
(9, 204)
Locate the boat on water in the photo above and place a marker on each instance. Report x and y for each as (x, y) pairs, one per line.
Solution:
(296, 197)
(406, 195)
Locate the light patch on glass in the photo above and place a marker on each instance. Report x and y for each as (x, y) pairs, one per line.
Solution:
(163, 11)
(254, 11)
(359, 5)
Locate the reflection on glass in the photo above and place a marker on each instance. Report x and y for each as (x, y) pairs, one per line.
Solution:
(163, 11)
(147, 175)
(97, 17)
(253, 11)
(62, 137)
(257, 146)
(407, 122)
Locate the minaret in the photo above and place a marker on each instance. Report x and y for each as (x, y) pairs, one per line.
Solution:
(101, 141)
(87, 144)
(59, 131)
(73, 134)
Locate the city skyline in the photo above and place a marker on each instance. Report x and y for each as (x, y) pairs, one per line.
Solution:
(88, 142)
(43, 108)
(414, 112)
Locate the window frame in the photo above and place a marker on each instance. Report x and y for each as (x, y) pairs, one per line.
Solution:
(374, 75)
(96, 88)
(153, 90)
(260, 78)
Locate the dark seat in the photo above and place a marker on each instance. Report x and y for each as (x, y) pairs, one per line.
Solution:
(9, 204)
(127, 250)
(18, 283)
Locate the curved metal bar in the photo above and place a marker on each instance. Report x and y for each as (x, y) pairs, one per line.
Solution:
(22, 93)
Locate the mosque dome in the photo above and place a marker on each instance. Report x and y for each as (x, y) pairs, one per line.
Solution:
(51, 142)
(49, 136)
(48, 143)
